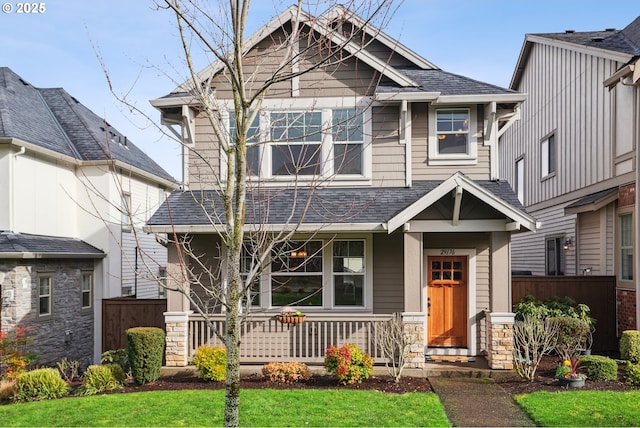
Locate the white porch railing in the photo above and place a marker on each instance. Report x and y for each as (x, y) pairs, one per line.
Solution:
(263, 339)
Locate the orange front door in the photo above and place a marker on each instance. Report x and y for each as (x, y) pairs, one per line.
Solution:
(447, 301)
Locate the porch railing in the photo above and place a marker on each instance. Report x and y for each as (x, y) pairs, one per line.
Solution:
(263, 339)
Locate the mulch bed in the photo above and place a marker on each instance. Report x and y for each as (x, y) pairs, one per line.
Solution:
(510, 382)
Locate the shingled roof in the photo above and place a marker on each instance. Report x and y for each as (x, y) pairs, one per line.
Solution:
(24, 245)
(328, 205)
(54, 120)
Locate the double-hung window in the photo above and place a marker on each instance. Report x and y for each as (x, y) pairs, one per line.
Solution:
(626, 247)
(253, 143)
(45, 284)
(554, 256)
(453, 141)
(296, 274)
(548, 156)
(348, 273)
(348, 141)
(87, 290)
(296, 147)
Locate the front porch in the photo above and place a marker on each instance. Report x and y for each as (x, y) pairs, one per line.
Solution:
(264, 339)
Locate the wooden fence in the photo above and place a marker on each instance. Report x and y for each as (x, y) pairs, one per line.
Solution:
(598, 292)
(122, 313)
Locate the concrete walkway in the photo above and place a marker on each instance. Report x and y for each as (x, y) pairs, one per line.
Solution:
(478, 402)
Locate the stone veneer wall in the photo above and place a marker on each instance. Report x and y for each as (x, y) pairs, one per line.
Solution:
(68, 331)
(500, 342)
(414, 325)
(626, 307)
(177, 337)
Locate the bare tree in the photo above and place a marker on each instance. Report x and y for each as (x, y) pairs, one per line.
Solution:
(304, 44)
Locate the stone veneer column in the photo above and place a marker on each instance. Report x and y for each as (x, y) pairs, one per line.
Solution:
(414, 323)
(177, 338)
(500, 340)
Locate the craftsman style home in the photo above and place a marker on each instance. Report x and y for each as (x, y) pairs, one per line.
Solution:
(75, 193)
(573, 157)
(386, 169)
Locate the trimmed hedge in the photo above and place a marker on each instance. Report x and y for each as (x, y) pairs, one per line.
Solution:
(40, 384)
(145, 346)
(630, 346)
(100, 378)
(598, 367)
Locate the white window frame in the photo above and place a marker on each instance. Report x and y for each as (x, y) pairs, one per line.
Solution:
(328, 285)
(548, 156)
(622, 248)
(469, 158)
(519, 179)
(304, 105)
(49, 295)
(125, 209)
(84, 291)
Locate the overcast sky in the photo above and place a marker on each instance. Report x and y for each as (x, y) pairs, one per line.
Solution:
(480, 39)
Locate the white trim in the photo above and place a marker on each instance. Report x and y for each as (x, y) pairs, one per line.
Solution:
(414, 96)
(470, 253)
(502, 317)
(307, 227)
(480, 99)
(469, 158)
(498, 225)
(176, 316)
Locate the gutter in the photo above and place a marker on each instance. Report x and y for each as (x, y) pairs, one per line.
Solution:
(31, 256)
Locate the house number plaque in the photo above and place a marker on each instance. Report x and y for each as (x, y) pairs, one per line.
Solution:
(447, 252)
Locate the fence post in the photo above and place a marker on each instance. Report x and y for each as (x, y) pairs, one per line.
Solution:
(500, 340)
(177, 338)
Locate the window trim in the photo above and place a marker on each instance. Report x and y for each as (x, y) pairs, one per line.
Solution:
(619, 246)
(125, 210)
(519, 178)
(548, 160)
(469, 158)
(561, 258)
(48, 296)
(83, 291)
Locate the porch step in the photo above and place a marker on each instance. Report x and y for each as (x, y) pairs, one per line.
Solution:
(450, 358)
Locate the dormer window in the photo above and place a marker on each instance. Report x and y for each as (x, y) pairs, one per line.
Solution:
(453, 141)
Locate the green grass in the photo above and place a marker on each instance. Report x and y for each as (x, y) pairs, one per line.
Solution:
(264, 407)
(582, 408)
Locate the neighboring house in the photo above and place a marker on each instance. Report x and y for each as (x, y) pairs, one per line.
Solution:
(64, 241)
(573, 157)
(417, 222)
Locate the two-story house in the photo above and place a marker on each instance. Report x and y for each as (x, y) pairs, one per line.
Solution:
(572, 158)
(397, 199)
(75, 193)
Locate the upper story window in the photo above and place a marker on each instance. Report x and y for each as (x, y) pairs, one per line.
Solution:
(328, 142)
(519, 179)
(125, 212)
(548, 156)
(454, 141)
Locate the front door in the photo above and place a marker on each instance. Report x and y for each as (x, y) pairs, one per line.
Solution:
(447, 301)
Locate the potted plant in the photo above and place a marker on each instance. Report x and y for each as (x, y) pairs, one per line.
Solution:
(290, 316)
(568, 375)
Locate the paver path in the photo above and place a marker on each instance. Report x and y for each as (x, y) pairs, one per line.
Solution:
(478, 402)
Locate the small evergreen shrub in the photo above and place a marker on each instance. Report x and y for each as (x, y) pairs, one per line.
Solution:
(348, 363)
(100, 378)
(40, 384)
(630, 346)
(572, 334)
(286, 372)
(117, 356)
(145, 346)
(633, 374)
(7, 389)
(211, 363)
(598, 367)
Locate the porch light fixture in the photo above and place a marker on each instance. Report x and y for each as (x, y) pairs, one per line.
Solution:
(568, 243)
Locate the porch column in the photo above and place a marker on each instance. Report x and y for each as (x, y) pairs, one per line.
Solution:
(414, 326)
(500, 340)
(177, 338)
(412, 272)
(500, 272)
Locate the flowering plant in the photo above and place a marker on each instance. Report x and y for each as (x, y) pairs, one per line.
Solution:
(290, 312)
(569, 369)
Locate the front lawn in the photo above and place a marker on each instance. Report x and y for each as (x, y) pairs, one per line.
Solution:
(259, 407)
(582, 408)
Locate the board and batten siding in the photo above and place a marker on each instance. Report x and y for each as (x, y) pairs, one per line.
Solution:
(566, 98)
(528, 248)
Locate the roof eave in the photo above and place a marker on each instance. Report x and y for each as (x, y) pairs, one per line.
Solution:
(53, 255)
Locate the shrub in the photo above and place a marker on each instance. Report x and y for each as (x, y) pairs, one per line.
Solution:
(598, 367)
(630, 346)
(145, 349)
(117, 356)
(348, 363)
(532, 339)
(100, 378)
(554, 307)
(68, 369)
(7, 389)
(572, 334)
(394, 341)
(633, 373)
(286, 372)
(40, 384)
(14, 358)
(211, 363)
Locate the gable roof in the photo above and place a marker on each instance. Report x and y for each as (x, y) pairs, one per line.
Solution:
(623, 44)
(331, 208)
(27, 246)
(54, 120)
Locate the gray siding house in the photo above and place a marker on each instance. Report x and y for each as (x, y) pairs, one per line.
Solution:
(415, 221)
(572, 157)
